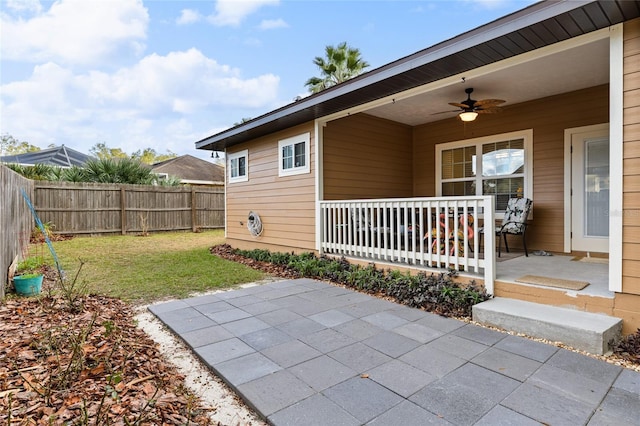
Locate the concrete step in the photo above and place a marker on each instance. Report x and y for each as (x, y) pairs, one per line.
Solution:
(587, 331)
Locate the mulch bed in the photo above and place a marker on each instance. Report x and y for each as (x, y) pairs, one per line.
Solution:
(90, 366)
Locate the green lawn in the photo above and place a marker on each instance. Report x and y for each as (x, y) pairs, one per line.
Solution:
(143, 269)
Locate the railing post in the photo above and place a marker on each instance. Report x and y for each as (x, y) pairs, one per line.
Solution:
(489, 244)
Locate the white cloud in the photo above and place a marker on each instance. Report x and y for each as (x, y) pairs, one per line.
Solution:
(134, 104)
(24, 5)
(75, 32)
(188, 16)
(270, 24)
(232, 12)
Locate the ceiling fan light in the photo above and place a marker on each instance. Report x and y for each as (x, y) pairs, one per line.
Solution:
(468, 115)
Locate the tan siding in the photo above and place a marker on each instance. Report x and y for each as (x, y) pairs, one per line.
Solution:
(286, 205)
(631, 163)
(366, 157)
(548, 118)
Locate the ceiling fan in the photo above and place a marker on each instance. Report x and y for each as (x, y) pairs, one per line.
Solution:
(470, 108)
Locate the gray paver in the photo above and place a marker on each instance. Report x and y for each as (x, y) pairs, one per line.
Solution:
(547, 407)
(363, 398)
(585, 366)
(391, 343)
(183, 325)
(265, 338)
(420, 368)
(621, 404)
(385, 320)
(244, 300)
(502, 416)
(358, 329)
(279, 316)
(443, 324)
(479, 334)
(246, 368)
(291, 353)
(408, 414)
(327, 340)
(418, 332)
(331, 318)
(245, 326)
(301, 327)
(322, 372)
(507, 363)
(316, 410)
(213, 307)
(527, 348)
(260, 308)
(229, 315)
(201, 300)
(570, 384)
(402, 378)
(359, 357)
(628, 380)
(274, 392)
(205, 336)
(465, 395)
(432, 360)
(458, 346)
(223, 351)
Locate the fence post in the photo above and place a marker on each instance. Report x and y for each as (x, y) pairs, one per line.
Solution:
(193, 210)
(123, 211)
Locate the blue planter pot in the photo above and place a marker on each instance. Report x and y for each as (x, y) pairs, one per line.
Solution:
(28, 286)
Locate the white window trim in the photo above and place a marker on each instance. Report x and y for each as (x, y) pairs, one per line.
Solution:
(234, 156)
(305, 137)
(526, 135)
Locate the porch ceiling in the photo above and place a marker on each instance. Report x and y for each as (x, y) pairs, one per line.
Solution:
(561, 72)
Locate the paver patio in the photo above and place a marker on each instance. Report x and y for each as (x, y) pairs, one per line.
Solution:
(305, 352)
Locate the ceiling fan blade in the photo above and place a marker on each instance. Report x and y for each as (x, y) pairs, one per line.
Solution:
(493, 110)
(455, 104)
(484, 102)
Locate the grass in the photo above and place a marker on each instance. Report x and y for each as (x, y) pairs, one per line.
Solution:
(143, 269)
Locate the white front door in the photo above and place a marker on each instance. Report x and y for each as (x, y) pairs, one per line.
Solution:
(590, 190)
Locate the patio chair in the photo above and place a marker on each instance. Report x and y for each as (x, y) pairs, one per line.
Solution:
(514, 222)
(462, 230)
(362, 226)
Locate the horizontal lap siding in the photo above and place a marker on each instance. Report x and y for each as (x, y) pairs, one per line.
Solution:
(548, 117)
(631, 164)
(286, 205)
(366, 157)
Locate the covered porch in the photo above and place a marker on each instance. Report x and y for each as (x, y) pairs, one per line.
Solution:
(444, 233)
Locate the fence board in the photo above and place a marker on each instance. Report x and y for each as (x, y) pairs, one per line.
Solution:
(96, 209)
(16, 221)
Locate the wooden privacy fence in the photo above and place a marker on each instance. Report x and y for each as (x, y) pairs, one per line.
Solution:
(16, 221)
(96, 209)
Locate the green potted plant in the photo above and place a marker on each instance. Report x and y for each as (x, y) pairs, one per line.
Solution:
(28, 278)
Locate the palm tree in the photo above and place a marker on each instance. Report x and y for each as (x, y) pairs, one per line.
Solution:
(341, 64)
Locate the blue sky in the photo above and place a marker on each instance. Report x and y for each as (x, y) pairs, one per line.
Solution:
(163, 74)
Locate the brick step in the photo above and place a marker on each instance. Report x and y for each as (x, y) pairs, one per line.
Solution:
(587, 331)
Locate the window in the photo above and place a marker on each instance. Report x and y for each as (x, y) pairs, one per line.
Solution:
(238, 166)
(293, 155)
(498, 165)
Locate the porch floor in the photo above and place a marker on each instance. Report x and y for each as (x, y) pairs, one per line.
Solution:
(515, 265)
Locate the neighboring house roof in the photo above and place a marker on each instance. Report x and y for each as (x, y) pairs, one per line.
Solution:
(534, 27)
(59, 156)
(191, 169)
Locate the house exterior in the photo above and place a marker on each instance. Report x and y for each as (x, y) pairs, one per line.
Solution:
(60, 156)
(191, 171)
(386, 146)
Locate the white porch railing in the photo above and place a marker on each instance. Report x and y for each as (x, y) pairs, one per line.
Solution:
(442, 232)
